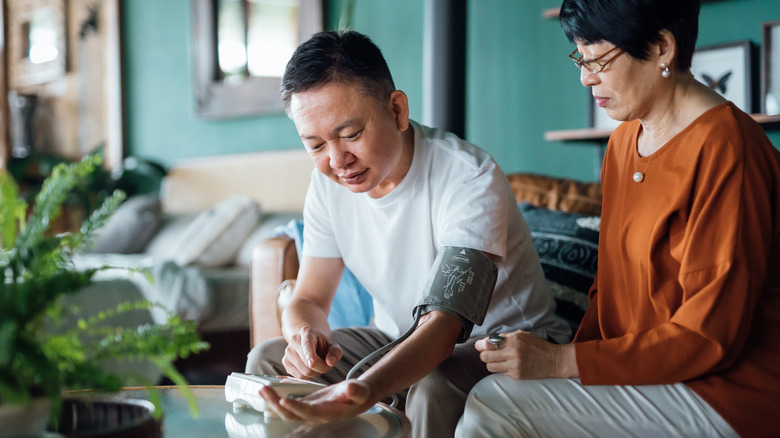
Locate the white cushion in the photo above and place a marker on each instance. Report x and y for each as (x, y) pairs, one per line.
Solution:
(214, 237)
(172, 227)
(130, 228)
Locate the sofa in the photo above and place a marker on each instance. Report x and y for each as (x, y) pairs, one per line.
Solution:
(562, 214)
(189, 249)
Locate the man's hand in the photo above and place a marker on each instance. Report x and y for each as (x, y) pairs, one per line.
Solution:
(524, 355)
(336, 402)
(310, 354)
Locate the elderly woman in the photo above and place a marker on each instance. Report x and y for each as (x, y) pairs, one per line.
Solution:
(682, 333)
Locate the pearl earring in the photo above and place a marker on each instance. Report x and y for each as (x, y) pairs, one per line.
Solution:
(666, 73)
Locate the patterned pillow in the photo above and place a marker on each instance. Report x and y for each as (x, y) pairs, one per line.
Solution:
(215, 236)
(567, 244)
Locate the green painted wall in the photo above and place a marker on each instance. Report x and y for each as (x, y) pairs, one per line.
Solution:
(520, 82)
(160, 121)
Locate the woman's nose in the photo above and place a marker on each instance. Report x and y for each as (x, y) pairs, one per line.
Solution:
(588, 78)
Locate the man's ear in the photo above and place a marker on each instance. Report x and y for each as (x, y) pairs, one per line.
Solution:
(398, 104)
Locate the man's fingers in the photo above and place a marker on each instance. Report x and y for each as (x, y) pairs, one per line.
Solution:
(272, 401)
(295, 366)
(309, 341)
(313, 362)
(334, 355)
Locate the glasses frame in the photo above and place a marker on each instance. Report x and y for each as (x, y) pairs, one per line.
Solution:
(579, 62)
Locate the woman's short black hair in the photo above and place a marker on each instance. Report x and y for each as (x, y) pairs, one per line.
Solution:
(633, 25)
(347, 56)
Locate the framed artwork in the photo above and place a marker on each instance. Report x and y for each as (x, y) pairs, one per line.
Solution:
(726, 69)
(770, 68)
(240, 49)
(37, 41)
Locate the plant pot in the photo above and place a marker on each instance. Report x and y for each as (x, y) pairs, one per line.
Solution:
(24, 420)
(93, 418)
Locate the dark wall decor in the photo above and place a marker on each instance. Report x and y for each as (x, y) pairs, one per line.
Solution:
(770, 68)
(726, 68)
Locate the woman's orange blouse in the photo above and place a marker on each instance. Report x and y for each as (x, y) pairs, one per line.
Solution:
(688, 282)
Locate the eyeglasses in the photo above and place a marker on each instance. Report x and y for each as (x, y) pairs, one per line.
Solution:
(594, 65)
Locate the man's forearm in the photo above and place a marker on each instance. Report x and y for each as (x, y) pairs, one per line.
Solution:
(415, 357)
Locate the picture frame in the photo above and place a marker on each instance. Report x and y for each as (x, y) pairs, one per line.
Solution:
(770, 68)
(37, 44)
(726, 68)
(217, 97)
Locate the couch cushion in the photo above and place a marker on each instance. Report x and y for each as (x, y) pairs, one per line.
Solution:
(214, 237)
(557, 193)
(172, 227)
(130, 228)
(567, 244)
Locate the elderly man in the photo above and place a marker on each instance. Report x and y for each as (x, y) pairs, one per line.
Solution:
(399, 204)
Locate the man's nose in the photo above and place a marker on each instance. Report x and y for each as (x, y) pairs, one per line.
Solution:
(340, 157)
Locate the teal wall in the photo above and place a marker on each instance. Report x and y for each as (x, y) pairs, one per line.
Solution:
(520, 82)
(160, 120)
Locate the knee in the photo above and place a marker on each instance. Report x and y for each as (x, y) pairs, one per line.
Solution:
(501, 406)
(266, 357)
(490, 411)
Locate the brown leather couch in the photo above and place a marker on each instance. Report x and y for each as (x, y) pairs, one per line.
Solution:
(275, 260)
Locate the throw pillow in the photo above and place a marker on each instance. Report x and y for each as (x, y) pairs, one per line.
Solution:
(214, 237)
(172, 227)
(567, 244)
(130, 228)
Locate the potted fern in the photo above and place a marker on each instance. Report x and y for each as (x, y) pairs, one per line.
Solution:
(40, 358)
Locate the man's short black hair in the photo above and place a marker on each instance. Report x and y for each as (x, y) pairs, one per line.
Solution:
(348, 57)
(633, 25)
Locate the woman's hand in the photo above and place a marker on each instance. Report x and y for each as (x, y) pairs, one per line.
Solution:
(336, 402)
(524, 355)
(310, 354)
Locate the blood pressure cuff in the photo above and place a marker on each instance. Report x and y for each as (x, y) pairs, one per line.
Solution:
(461, 283)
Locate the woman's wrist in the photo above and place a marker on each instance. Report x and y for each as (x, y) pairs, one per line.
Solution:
(566, 362)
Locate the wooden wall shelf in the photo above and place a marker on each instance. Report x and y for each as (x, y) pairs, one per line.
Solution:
(551, 13)
(587, 134)
(602, 135)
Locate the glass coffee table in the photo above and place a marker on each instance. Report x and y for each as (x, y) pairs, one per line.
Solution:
(218, 418)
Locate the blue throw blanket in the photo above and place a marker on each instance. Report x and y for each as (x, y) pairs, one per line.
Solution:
(352, 305)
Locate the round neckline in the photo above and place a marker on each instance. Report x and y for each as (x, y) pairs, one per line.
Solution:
(676, 137)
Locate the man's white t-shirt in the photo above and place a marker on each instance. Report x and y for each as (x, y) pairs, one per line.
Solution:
(454, 194)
